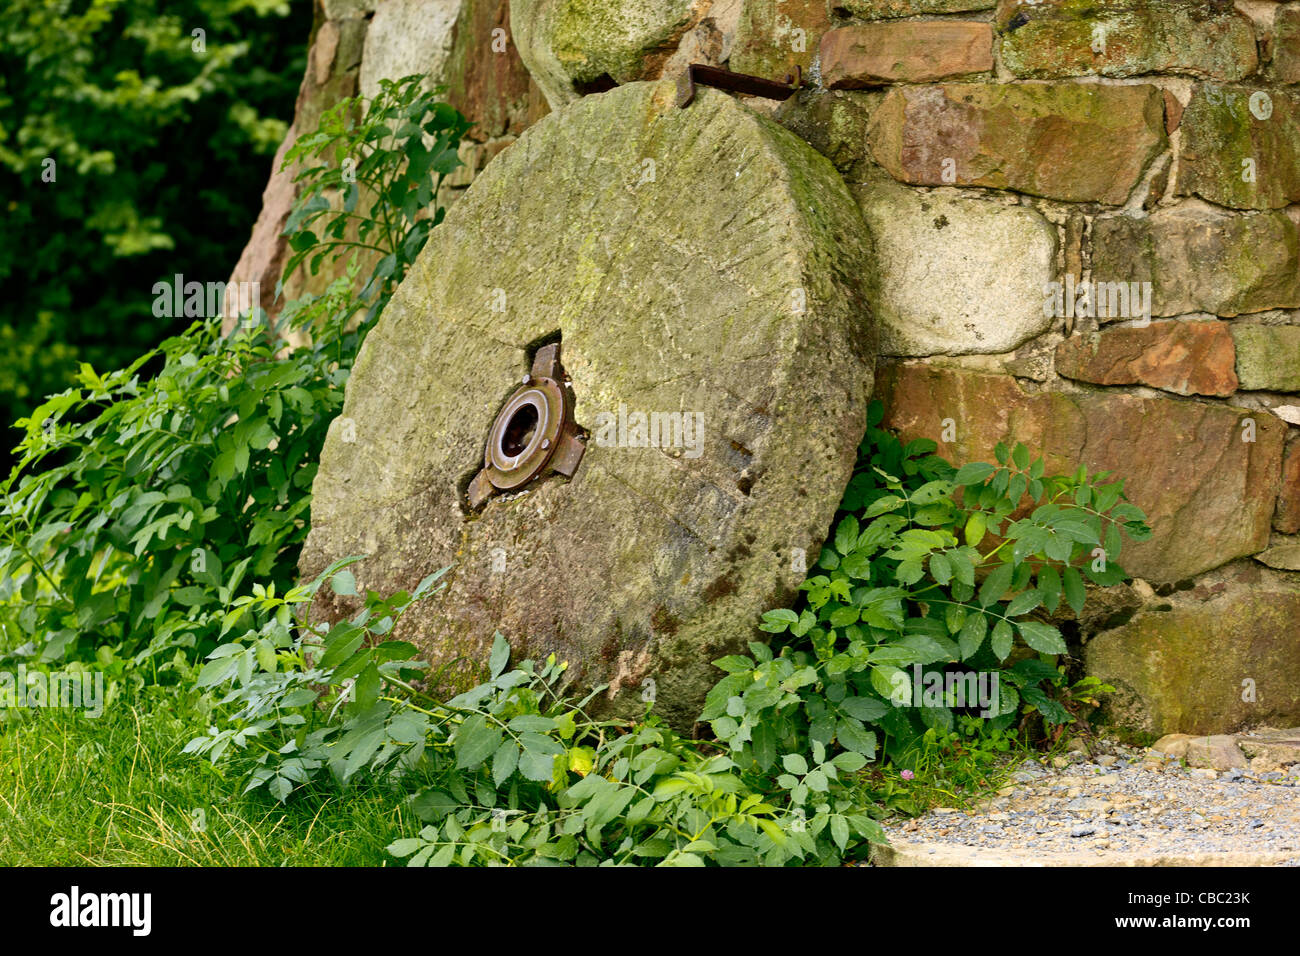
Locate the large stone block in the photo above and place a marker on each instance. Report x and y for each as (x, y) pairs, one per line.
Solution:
(406, 37)
(1241, 147)
(1202, 259)
(1268, 356)
(1220, 657)
(735, 299)
(955, 275)
(574, 46)
(904, 51)
(775, 36)
(1076, 142)
(1286, 45)
(1284, 557)
(1057, 38)
(1188, 358)
(834, 122)
(1208, 494)
(485, 78)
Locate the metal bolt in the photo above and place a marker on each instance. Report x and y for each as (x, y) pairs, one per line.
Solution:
(546, 443)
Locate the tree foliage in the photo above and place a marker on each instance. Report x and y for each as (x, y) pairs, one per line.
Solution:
(158, 147)
(143, 505)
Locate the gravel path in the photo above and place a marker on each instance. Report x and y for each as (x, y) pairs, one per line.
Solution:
(1115, 806)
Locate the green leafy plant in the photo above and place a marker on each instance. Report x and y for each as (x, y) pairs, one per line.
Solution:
(509, 772)
(929, 567)
(392, 165)
(135, 136)
(143, 507)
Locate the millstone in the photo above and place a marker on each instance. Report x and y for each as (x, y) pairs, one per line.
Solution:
(698, 262)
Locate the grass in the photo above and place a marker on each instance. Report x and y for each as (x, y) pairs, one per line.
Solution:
(117, 791)
(961, 769)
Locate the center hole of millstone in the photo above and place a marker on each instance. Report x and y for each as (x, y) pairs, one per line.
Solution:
(519, 431)
(533, 435)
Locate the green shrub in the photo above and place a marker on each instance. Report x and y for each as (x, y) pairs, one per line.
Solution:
(143, 506)
(382, 164)
(522, 776)
(903, 584)
(161, 147)
(510, 771)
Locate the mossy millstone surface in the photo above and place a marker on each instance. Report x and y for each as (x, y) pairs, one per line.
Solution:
(699, 260)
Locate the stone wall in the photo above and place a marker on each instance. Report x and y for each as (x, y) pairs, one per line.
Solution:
(998, 149)
(464, 45)
(1141, 155)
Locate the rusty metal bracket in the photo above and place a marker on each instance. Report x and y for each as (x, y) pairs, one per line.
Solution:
(533, 435)
(722, 79)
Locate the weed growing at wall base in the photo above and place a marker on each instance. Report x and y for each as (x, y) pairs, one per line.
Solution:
(928, 568)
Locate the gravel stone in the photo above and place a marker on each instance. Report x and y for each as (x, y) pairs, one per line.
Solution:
(1133, 812)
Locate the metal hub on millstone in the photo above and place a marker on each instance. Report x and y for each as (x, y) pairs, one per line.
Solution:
(533, 435)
